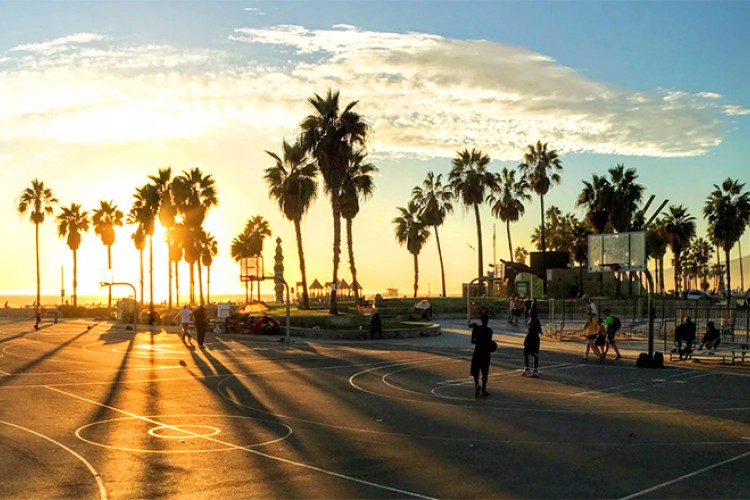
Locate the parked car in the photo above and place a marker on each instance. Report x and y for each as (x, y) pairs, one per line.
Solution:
(700, 295)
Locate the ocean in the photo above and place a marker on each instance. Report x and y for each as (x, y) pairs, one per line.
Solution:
(27, 300)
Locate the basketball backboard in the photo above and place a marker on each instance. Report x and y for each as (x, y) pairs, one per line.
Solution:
(251, 268)
(617, 252)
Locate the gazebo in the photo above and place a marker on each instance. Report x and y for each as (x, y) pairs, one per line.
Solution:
(343, 285)
(356, 287)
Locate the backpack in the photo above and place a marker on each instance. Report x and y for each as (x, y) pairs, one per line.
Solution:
(615, 324)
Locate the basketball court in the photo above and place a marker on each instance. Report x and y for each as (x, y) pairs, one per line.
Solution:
(93, 410)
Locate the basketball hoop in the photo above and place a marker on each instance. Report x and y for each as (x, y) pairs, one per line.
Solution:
(251, 269)
(613, 267)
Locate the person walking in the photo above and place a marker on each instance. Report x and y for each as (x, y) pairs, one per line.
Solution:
(185, 316)
(481, 337)
(611, 325)
(590, 330)
(531, 346)
(200, 317)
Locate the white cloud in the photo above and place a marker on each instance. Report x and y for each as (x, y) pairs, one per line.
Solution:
(733, 110)
(255, 11)
(424, 95)
(58, 44)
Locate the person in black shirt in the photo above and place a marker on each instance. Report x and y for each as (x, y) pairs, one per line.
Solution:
(712, 338)
(531, 345)
(481, 337)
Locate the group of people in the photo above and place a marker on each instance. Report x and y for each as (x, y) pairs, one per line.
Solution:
(685, 334)
(601, 334)
(199, 317)
(484, 346)
(518, 307)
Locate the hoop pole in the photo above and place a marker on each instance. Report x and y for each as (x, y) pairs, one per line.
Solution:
(650, 281)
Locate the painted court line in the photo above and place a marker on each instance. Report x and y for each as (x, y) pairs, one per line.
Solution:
(687, 476)
(244, 448)
(97, 477)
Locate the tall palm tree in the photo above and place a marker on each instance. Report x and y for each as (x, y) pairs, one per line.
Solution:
(679, 229)
(329, 135)
(71, 222)
(358, 183)
(257, 229)
(507, 201)
(470, 181)
(727, 211)
(209, 250)
(39, 202)
(626, 196)
(435, 203)
(194, 194)
(104, 220)
(412, 232)
(596, 198)
(139, 240)
(144, 212)
(162, 183)
(541, 168)
(703, 250)
(242, 248)
(291, 182)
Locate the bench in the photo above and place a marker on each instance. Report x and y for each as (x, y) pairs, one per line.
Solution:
(733, 355)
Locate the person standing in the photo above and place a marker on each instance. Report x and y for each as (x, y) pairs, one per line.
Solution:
(531, 346)
(200, 317)
(591, 329)
(611, 325)
(481, 337)
(185, 316)
(376, 326)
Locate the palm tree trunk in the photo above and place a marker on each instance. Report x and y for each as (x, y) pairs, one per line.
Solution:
(303, 271)
(677, 272)
(151, 279)
(440, 256)
(109, 288)
(200, 280)
(480, 256)
(416, 275)
(75, 279)
(350, 247)
(510, 244)
(38, 276)
(335, 202)
(192, 283)
(177, 283)
(661, 273)
(169, 273)
(140, 252)
(208, 284)
(544, 251)
(729, 277)
(258, 287)
(246, 295)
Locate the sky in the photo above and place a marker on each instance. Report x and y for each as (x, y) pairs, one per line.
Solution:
(97, 96)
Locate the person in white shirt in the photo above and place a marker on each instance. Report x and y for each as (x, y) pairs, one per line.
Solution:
(185, 315)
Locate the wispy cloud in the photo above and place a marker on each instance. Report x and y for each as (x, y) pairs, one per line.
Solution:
(424, 95)
(255, 11)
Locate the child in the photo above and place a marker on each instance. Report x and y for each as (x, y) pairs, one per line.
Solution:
(531, 346)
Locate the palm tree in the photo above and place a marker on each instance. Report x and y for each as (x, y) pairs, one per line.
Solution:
(507, 201)
(167, 213)
(104, 220)
(194, 194)
(71, 222)
(626, 196)
(703, 251)
(329, 135)
(596, 197)
(520, 255)
(470, 181)
(257, 229)
(727, 211)
(679, 228)
(358, 182)
(541, 169)
(435, 203)
(209, 250)
(242, 248)
(39, 202)
(144, 212)
(412, 232)
(175, 237)
(139, 240)
(291, 181)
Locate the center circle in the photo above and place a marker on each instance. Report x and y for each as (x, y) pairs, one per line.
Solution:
(185, 431)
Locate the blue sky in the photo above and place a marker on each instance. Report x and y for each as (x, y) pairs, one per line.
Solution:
(103, 93)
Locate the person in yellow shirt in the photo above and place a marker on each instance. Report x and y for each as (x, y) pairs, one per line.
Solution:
(590, 329)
